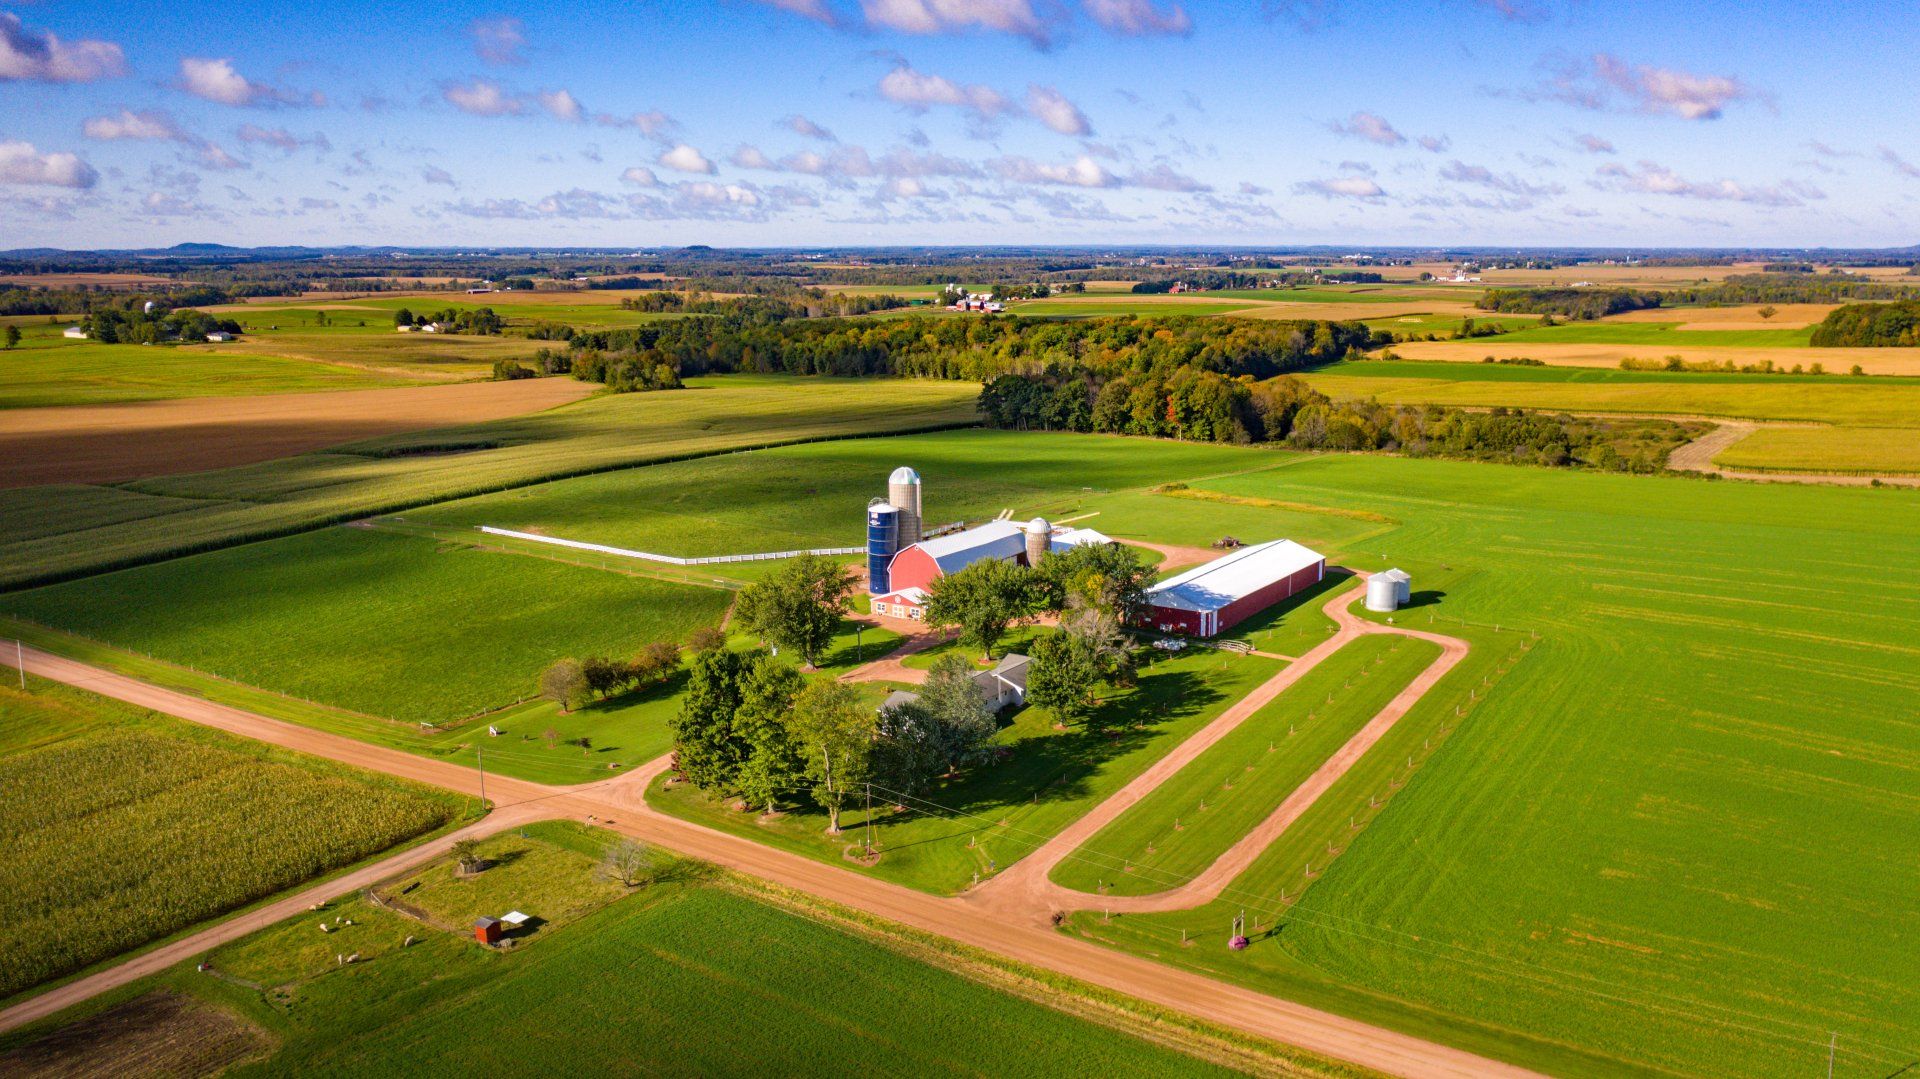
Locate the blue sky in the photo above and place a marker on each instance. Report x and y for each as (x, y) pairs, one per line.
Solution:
(813, 122)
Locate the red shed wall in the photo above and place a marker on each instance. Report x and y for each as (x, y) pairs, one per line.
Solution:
(1260, 599)
(1175, 619)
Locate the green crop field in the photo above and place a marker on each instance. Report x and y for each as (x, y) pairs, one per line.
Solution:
(1168, 837)
(62, 372)
(122, 827)
(1150, 306)
(1838, 399)
(816, 494)
(663, 980)
(1672, 834)
(390, 625)
(1855, 450)
(1659, 334)
(39, 539)
(995, 814)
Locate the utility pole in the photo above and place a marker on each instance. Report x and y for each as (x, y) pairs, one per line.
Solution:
(482, 765)
(20, 657)
(869, 819)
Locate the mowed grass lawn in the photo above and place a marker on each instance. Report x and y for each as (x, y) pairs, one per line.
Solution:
(122, 826)
(65, 530)
(1171, 835)
(992, 815)
(394, 626)
(1675, 833)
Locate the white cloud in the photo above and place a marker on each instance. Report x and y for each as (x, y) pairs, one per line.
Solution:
(1435, 144)
(1594, 144)
(1341, 187)
(709, 194)
(684, 158)
(1051, 107)
(26, 56)
(640, 176)
(147, 124)
(280, 138)
(22, 163)
(162, 204)
(1900, 164)
(1139, 17)
(750, 157)
(561, 105)
(1606, 81)
(1164, 178)
(919, 91)
(806, 128)
(1082, 171)
(215, 80)
(816, 10)
(482, 98)
(214, 157)
(1655, 179)
(1015, 17)
(1372, 127)
(1462, 173)
(434, 174)
(498, 40)
(654, 125)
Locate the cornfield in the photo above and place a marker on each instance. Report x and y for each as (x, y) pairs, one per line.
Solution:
(118, 839)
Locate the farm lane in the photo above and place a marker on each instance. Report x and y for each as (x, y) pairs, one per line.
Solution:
(619, 804)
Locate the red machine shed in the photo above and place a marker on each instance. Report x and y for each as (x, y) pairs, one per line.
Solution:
(1206, 600)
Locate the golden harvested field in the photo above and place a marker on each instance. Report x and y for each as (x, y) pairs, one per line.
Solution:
(1873, 361)
(1371, 312)
(1650, 276)
(1786, 316)
(112, 443)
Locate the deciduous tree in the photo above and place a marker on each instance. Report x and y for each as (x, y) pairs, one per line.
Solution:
(799, 606)
(836, 735)
(983, 600)
(563, 683)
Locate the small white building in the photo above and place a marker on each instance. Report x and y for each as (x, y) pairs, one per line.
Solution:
(74, 332)
(219, 335)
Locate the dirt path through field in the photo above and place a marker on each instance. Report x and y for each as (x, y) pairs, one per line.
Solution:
(112, 443)
(620, 804)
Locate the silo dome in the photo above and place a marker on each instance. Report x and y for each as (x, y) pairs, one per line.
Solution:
(1039, 526)
(903, 474)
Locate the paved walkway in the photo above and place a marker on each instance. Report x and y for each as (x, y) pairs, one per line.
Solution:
(619, 803)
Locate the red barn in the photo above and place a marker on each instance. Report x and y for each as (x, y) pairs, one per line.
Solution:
(1206, 600)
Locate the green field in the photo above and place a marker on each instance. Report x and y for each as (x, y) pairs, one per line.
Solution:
(662, 981)
(50, 370)
(393, 626)
(1837, 399)
(1149, 306)
(109, 815)
(1168, 837)
(816, 494)
(65, 530)
(991, 816)
(1673, 835)
(1847, 450)
(1659, 335)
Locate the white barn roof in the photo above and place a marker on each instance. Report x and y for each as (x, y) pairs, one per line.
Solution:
(1223, 580)
(995, 539)
(1078, 537)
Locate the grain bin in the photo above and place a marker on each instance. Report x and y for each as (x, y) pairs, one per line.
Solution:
(1039, 540)
(1383, 593)
(883, 531)
(903, 493)
(1402, 586)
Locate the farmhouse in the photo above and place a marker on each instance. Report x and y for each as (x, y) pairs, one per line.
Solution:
(1207, 599)
(74, 331)
(219, 335)
(1003, 686)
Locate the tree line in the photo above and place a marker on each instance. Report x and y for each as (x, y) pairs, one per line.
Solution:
(1575, 303)
(1870, 325)
(484, 321)
(132, 326)
(1203, 406)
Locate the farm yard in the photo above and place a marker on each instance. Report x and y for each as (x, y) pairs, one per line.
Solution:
(108, 815)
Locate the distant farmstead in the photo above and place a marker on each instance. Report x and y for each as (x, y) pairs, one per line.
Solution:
(1207, 600)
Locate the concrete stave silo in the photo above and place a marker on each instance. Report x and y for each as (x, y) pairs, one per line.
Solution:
(903, 493)
(1039, 537)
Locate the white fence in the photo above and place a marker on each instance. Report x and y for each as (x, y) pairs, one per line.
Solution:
(672, 560)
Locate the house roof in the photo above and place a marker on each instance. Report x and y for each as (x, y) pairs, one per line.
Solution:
(995, 539)
(897, 698)
(1223, 580)
(1079, 537)
(915, 596)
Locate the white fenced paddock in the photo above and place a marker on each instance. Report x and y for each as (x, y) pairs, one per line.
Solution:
(671, 560)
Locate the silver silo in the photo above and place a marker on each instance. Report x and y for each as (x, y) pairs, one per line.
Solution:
(1383, 593)
(1039, 540)
(903, 492)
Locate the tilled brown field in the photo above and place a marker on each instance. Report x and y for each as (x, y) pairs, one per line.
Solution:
(110, 443)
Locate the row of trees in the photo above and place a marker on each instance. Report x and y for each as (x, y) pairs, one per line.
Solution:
(1870, 325)
(484, 321)
(132, 326)
(1575, 303)
(1200, 406)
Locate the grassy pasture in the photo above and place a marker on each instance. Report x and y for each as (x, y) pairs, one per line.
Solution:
(1855, 450)
(998, 813)
(85, 372)
(1168, 837)
(1658, 335)
(392, 473)
(1672, 834)
(328, 614)
(106, 812)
